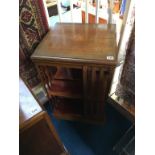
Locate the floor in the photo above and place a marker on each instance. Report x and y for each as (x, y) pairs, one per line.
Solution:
(88, 139)
(66, 17)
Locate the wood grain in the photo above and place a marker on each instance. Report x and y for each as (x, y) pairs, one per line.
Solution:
(79, 43)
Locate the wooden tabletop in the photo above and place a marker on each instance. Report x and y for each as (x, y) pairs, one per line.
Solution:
(79, 43)
(28, 106)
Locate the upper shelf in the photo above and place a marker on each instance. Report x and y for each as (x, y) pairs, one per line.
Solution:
(68, 74)
(66, 88)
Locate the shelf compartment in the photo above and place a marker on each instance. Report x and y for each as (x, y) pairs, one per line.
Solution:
(72, 109)
(68, 109)
(66, 88)
(68, 74)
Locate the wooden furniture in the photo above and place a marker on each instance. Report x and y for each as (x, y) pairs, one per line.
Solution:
(76, 64)
(37, 134)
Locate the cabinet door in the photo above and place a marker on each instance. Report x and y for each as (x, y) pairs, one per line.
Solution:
(38, 137)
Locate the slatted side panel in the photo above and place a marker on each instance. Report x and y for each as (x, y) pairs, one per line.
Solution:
(96, 82)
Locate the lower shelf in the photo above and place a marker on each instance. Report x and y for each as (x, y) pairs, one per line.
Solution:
(68, 108)
(72, 109)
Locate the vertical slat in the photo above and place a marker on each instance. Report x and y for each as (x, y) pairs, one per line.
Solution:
(105, 84)
(85, 76)
(86, 11)
(97, 11)
(101, 80)
(93, 91)
(59, 10)
(109, 81)
(88, 95)
(41, 75)
(71, 8)
(101, 91)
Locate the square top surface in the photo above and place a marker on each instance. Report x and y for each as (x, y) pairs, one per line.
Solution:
(79, 43)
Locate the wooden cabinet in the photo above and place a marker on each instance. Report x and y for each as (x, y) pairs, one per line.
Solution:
(76, 64)
(37, 134)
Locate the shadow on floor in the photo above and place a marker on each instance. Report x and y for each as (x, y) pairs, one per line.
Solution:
(87, 139)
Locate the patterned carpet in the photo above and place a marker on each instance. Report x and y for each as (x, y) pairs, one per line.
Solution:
(33, 26)
(126, 87)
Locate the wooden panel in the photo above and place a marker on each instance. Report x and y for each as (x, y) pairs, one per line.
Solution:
(39, 137)
(37, 134)
(95, 88)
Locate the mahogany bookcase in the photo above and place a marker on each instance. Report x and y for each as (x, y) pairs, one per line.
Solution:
(76, 63)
